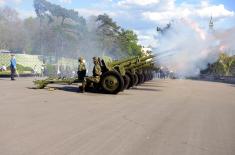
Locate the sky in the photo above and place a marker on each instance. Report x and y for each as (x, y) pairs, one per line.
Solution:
(143, 16)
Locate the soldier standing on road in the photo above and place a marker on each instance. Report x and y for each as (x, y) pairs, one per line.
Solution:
(13, 66)
(96, 74)
(81, 69)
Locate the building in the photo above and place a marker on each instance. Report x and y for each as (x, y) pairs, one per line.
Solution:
(211, 25)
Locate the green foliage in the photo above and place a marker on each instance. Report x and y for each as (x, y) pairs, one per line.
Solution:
(129, 42)
(21, 68)
(42, 7)
(126, 40)
(223, 66)
(57, 31)
(226, 62)
(5, 72)
(107, 26)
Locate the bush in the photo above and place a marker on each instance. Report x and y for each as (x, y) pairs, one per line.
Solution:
(21, 68)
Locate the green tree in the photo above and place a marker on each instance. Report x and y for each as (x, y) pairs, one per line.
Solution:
(108, 32)
(226, 62)
(66, 33)
(129, 42)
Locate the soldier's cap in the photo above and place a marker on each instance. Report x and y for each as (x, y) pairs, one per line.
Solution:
(80, 58)
(95, 58)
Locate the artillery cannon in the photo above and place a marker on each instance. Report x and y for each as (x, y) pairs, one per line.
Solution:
(138, 72)
(126, 69)
(116, 75)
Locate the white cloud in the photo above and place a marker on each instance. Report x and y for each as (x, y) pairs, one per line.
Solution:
(4, 2)
(25, 14)
(89, 12)
(66, 1)
(138, 2)
(216, 11)
(94, 12)
(204, 10)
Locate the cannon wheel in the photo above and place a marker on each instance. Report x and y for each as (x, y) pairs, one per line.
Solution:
(112, 82)
(141, 78)
(136, 79)
(126, 79)
(151, 76)
(146, 77)
(131, 76)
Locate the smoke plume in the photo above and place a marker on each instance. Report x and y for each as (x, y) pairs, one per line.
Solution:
(186, 49)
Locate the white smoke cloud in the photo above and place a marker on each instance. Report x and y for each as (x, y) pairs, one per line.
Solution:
(186, 48)
(4, 2)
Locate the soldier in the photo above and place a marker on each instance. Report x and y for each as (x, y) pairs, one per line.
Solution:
(96, 74)
(81, 69)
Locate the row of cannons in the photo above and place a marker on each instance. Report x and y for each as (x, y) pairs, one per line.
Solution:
(116, 76)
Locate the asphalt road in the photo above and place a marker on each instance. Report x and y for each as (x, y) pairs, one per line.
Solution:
(172, 117)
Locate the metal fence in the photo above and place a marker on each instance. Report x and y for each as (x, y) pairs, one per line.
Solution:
(218, 78)
(36, 62)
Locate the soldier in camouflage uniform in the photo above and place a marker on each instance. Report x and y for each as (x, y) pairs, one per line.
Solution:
(97, 72)
(81, 69)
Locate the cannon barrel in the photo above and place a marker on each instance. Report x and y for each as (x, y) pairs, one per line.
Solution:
(147, 57)
(139, 65)
(40, 84)
(140, 61)
(126, 60)
(147, 65)
(130, 61)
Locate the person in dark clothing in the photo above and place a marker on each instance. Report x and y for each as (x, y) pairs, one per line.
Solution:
(13, 66)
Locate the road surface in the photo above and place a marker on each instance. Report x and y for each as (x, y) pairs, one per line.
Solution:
(162, 117)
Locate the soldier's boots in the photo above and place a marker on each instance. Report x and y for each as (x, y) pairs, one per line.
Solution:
(81, 89)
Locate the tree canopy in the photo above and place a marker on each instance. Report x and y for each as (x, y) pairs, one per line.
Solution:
(58, 31)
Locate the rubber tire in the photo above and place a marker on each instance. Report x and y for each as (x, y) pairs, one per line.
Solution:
(136, 79)
(151, 76)
(118, 77)
(140, 76)
(132, 80)
(143, 80)
(126, 79)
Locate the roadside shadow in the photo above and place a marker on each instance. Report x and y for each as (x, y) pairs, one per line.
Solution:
(156, 82)
(149, 85)
(32, 88)
(74, 89)
(67, 89)
(146, 89)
